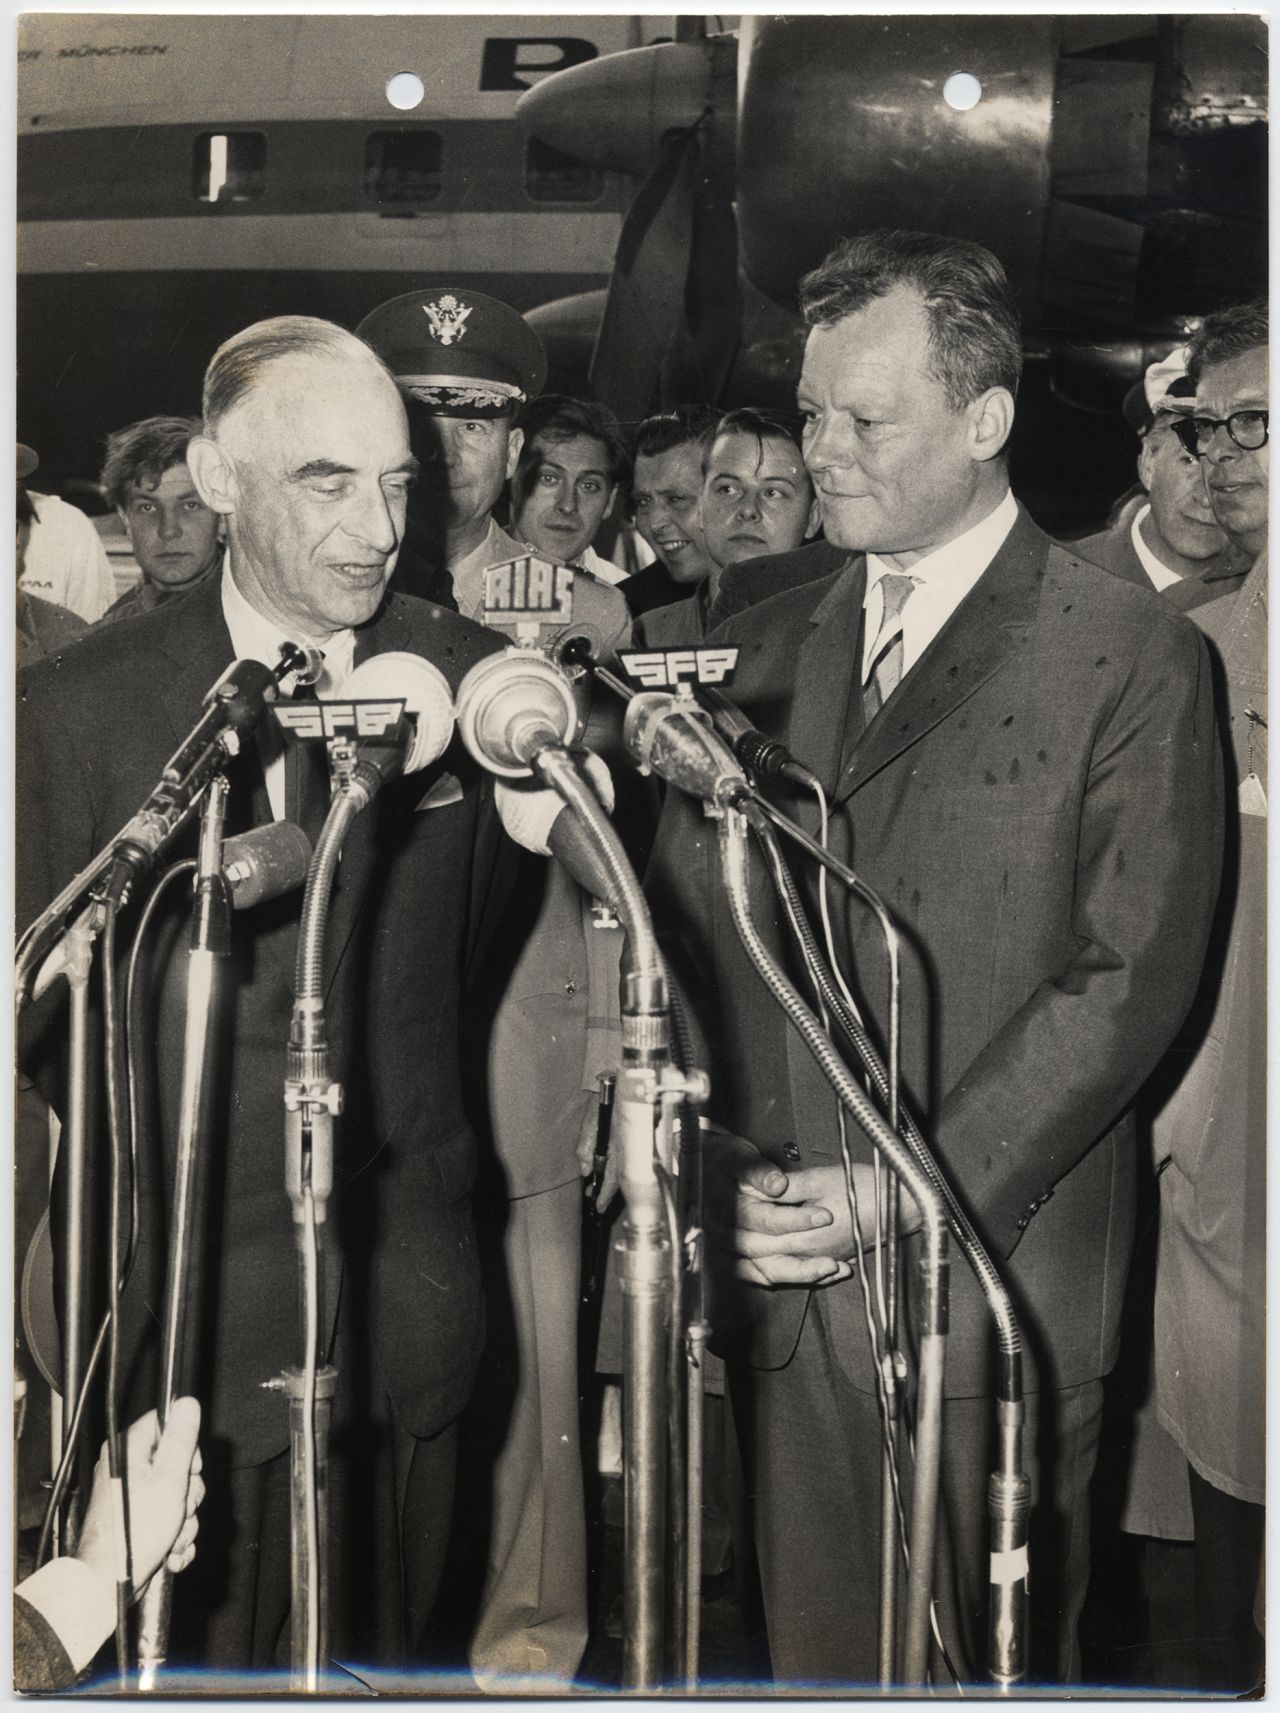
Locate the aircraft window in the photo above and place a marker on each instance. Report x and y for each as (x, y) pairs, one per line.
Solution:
(551, 176)
(229, 166)
(403, 166)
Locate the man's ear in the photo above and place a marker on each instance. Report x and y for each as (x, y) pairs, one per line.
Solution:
(815, 519)
(1146, 462)
(515, 441)
(213, 474)
(990, 423)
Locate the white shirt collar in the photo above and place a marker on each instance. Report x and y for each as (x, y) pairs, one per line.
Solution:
(256, 637)
(1156, 569)
(942, 580)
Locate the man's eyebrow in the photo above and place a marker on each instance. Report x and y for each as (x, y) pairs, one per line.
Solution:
(319, 467)
(410, 467)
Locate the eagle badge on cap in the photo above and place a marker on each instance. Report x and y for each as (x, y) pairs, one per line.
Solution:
(448, 318)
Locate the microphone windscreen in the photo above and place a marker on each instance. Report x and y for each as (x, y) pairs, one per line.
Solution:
(265, 862)
(400, 676)
(510, 705)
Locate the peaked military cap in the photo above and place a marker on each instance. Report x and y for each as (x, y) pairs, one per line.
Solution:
(459, 352)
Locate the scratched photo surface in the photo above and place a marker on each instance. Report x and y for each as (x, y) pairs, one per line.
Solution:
(440, 1451)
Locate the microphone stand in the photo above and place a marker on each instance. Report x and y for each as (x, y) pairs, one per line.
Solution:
(1008, 1488)
(935, 1263)
(312, 1100)
(649, 1088)
(210, 948)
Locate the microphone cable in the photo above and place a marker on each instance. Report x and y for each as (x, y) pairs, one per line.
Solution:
(984, 1269)
(134, 1024)
(113, 1050)
(819, 978)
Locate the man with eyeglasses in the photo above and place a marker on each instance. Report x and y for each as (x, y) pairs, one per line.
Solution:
(1166, 532)
(1210, 1135)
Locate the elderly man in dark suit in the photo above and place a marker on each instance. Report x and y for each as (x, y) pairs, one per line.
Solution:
(305, 453)
(1017, 748)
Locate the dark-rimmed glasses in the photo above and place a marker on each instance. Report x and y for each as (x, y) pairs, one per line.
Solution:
(1248, 428)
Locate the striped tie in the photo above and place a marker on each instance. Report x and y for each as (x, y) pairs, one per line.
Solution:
(885, 667)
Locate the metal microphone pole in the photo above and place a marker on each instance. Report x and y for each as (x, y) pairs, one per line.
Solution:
(934, 1263)
(210, 946)
(649, 1087)
(77, 956)
(312, 1100)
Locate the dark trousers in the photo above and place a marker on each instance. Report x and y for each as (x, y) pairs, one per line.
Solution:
(812, 1447)
(389, 1509)
(1228, 1563)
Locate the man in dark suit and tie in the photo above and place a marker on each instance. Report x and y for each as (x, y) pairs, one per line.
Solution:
(1018, 751)
(305, 454)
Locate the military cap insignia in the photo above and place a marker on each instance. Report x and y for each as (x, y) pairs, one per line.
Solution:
(448, 318)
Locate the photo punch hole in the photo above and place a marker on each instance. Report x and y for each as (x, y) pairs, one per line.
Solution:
(405, 90)
(961, 91)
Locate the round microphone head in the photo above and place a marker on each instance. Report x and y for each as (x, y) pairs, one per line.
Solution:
(511, 705)
(313, 665)
(424, 690)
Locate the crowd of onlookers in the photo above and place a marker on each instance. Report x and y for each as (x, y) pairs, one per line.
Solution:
(686, 524)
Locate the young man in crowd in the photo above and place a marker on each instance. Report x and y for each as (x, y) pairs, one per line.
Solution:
(567, 480)
(666, 486)
(757, 500)
(175, 537)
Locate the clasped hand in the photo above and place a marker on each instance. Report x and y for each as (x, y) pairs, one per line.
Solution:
(782, 1228)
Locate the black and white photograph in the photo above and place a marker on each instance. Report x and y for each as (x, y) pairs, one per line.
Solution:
(640, 853)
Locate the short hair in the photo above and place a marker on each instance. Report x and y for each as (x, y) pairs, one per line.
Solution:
(764, 424)
(236, 366)
(686, 425)
(555, 417)
(1228, 333)
(143, 452)
(974, 336)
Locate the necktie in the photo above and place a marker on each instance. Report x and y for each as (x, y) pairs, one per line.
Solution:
(306, 776)
(886, 657)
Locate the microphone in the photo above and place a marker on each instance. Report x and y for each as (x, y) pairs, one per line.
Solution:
(512, 705)
(422, 733)
(257, 866)
(674, 738)
(232, 709)
(264, 863)
(765, 756)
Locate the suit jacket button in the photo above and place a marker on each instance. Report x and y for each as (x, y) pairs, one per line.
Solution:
(791, 1152)
(571, 987)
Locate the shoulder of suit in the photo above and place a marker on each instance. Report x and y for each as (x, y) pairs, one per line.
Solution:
(104, 651)
(440, 635)
(1119, 617)
(794, 603)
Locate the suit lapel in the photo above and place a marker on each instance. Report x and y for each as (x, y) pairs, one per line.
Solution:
(826, 666)
(986, 630)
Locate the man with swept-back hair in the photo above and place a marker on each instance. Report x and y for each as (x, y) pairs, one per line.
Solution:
(666, 485)
(305, 456)
(1015, 748)
(572, 464)
(175, 537)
